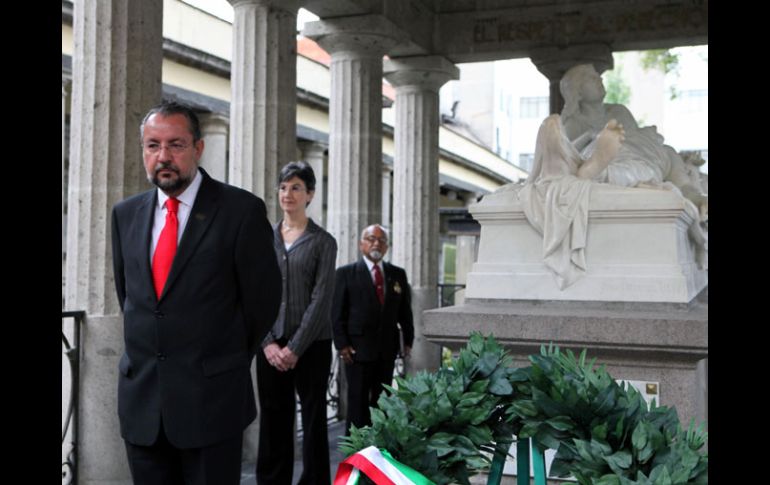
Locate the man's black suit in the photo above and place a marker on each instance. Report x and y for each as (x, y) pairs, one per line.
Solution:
(187, 354)
(360, 321)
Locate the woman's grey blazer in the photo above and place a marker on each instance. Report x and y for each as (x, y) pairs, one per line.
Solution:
(307, 270)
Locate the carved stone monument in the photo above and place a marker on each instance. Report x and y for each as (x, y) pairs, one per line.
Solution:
(618, 270)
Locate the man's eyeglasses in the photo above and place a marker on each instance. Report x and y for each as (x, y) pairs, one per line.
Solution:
(295, 189)
(176, 147)
(372, 240)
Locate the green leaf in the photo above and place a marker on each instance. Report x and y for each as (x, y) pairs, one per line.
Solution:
(500, 386)
(619, 461)
(660, 476)
(639, 437)
(599, 431)
(529, 429)
(607, 480)
(480, 434)
(485, 365)
(479, 386)
(562, 423)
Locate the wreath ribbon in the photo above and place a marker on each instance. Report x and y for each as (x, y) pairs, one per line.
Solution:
(380, 467)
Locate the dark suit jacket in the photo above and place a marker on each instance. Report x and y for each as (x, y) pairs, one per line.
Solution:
(359, 319)
(187, 355)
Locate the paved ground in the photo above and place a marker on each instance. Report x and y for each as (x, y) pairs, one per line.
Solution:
(335, 431)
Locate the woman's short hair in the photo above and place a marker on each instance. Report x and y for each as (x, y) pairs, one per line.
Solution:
(300, 169)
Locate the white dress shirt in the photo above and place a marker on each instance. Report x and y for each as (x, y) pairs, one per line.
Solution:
(186, 200)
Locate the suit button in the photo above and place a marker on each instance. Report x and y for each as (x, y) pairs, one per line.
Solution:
(158, 314)
(161, 356)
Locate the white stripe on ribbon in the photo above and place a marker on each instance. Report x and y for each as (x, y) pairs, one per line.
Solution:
(373, 455)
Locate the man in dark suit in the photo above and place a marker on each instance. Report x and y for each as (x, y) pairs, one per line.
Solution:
(370, 298)
(199, 286)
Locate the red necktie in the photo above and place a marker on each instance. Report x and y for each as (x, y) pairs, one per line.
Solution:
(378, 286)
(166, 247)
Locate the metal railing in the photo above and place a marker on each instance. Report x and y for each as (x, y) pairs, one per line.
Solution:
(71, 350)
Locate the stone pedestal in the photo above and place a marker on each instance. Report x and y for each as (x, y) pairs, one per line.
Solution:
(641, 307)
(637, 250)
(660, 342)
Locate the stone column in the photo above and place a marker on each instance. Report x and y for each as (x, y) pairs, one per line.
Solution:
(116, 79)
(553, 62)
(313, 153)
(65, 82)
(215, 127)
(263, 107)
(387, 217)
(356, 46)
(415, 234)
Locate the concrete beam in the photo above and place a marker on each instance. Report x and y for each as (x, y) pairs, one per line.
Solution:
(514, 32)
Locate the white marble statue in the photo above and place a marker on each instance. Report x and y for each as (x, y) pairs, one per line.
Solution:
(555, 196)
(643, 159)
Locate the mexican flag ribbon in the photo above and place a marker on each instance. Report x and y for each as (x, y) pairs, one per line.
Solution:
(379, 466)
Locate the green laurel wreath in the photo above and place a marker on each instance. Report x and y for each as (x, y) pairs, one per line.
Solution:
(446, 424)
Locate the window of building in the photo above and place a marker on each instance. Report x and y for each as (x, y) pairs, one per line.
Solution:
(533, 107)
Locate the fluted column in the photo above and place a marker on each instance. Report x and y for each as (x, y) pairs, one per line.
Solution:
(415, 235)
(215, 128)
(116, 79)
(313, 153)
(356, 46)
(553, 62)
(263, 106)
(387, 191)
(65, 82)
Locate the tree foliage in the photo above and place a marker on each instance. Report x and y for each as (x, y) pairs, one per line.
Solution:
(618, 91)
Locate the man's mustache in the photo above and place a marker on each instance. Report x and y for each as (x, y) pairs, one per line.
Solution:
(166, 166)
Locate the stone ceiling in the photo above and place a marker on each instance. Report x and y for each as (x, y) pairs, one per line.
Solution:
(483, 30)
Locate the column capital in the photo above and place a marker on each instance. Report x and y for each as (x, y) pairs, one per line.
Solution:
(553, 62)
(288, 5)
(424, 72)
(355, 37)
(214, 122)
(316, 148)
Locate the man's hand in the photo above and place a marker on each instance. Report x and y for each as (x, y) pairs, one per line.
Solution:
(347, 354)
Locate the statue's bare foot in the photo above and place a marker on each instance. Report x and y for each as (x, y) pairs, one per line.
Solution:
(609, 140)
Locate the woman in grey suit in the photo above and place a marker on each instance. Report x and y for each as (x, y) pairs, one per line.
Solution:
(297, 352)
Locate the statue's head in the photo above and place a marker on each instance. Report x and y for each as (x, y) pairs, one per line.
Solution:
(578, 83)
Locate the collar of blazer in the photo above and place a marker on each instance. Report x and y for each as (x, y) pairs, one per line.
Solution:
(310, 230)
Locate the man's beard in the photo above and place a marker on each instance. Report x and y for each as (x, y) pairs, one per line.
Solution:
(169, 184)
(375, 254)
